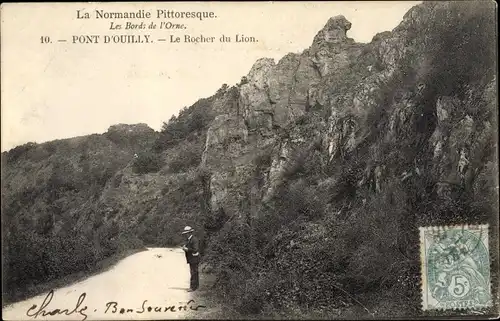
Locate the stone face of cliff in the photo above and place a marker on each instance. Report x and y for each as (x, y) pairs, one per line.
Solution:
(350, 144)
(352, 83)
(400, 130)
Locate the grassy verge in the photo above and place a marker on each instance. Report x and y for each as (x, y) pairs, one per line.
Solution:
(218, 308)
(34, 290)
(204, 296)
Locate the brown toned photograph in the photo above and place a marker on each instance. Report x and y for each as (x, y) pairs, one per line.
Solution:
(249, 160)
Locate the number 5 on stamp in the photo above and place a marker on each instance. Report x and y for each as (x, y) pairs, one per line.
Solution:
(455, 267)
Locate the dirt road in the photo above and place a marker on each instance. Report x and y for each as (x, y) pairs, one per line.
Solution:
(146, 285)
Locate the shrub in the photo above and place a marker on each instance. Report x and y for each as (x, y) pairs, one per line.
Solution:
(181, 204)
(461, 47)
(306, 161)
(147, 163)
(189, 156)
(213, 221)
(32, 259)
(222, 90)
(18, 151)
(190, 120)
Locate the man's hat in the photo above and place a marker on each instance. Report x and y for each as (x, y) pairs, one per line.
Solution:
(187, 229)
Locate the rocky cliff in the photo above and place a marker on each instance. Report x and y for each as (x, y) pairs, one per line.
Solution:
(322, 165)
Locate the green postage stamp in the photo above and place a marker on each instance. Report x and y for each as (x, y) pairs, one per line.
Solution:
(455, 267)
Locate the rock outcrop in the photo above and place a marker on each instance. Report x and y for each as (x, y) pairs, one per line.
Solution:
(353, 142)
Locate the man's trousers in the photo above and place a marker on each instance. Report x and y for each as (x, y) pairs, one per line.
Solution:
(195, 281)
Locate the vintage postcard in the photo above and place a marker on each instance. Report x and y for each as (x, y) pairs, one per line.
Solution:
(249, 160)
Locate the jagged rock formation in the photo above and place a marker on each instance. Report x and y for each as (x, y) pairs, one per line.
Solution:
(346, 79)
(342, 150)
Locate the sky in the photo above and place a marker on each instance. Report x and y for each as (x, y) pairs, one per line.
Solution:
(63, 89)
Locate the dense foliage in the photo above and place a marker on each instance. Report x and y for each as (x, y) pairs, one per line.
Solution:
(332, 236)
(147, 162)
(338, 232)
(192, 119)
(51, 224)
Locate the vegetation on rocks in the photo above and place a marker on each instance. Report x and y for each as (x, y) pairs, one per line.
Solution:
(307, 181)
(147, 162)
(342, 233)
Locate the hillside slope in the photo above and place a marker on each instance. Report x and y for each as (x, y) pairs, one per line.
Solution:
(308, 180)
(51, 220)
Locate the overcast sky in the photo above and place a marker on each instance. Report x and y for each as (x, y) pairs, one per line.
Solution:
(61, 90)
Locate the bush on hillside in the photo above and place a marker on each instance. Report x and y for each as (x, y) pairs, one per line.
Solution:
(188, 157)
(147, 162)
(234, 243)
(180, 205)
(32, 259)
(15, 153)
(190, 120)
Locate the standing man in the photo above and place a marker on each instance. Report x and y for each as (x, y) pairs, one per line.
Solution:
(191, 248)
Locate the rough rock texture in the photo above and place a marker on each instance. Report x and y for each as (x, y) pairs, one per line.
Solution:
(411, 112)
